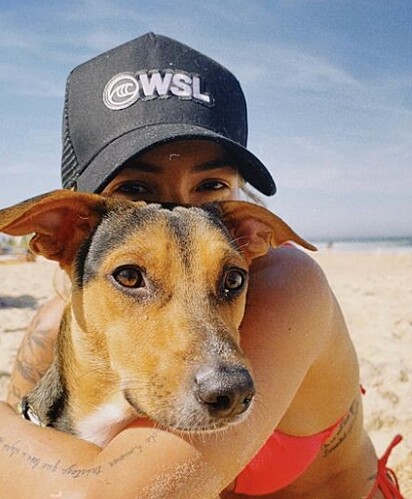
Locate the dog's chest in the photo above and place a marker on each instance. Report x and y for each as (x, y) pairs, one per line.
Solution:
(100, 426)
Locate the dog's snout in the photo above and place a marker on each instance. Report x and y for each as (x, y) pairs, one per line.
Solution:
(226, 391)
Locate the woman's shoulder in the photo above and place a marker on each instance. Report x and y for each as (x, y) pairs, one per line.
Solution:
(292, 308)
(286, 258)
(291, 276)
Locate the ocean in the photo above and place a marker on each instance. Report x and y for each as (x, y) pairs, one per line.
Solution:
(372, 244)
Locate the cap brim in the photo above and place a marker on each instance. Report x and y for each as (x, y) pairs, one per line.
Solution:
(110, 160)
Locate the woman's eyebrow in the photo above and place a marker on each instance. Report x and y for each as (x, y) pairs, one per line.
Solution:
(144, 167)
(213, 165)
(202, 167)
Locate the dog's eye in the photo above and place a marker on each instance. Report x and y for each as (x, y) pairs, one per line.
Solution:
(129, 277)
(234, 280)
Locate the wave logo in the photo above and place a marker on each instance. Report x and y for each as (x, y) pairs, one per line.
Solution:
(121, 91)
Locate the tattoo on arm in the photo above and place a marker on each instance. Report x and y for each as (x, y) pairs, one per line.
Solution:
(34, 353)
(16, 450)
(33, 359)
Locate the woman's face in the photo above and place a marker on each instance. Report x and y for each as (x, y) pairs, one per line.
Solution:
(188, 172)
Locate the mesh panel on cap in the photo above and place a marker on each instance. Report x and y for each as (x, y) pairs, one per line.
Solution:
(69, 161)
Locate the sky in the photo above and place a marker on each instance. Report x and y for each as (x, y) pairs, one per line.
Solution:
(328, 86)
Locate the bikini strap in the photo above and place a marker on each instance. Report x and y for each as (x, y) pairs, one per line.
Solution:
(386, 480)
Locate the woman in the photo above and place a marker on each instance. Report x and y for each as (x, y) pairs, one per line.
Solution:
(154, 120)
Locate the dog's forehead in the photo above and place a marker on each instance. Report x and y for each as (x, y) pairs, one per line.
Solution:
(127, 222)
(124, 220)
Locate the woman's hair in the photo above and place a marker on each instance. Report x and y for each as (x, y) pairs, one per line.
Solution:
(61, 284)
(250, 195)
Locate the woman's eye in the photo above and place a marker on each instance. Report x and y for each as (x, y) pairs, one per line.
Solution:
(129, 277)
(234, 280)
(132, 188)
(212, 185)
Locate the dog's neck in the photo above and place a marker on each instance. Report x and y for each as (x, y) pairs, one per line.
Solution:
(81, 368)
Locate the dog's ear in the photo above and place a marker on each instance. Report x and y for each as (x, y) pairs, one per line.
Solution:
(60, 220)
(255, 229)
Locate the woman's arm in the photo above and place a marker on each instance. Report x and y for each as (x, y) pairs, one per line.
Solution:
(140, 461)
(36, 350)
(38, 463)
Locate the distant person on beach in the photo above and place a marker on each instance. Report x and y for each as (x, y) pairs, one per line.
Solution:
(155, 120)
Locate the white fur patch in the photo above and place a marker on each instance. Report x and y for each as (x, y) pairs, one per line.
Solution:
(105, 422)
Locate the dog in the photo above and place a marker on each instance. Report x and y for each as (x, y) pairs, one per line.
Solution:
(157, 298)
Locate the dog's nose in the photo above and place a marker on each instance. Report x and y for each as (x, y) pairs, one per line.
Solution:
(226, 391)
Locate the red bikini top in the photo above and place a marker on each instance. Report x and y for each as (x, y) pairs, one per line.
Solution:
(280, 461)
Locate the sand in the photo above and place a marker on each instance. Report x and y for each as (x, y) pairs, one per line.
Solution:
(375, 293)
(374, 290)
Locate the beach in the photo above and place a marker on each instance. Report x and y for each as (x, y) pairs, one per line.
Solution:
(374, 289)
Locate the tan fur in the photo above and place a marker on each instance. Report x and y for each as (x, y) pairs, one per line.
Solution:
(127, 352)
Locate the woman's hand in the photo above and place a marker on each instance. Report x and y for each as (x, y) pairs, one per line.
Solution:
(35, 353)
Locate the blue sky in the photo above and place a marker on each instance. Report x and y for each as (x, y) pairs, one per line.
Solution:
(328, 85)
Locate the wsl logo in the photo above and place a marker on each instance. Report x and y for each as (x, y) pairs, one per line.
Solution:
(125, 89)
(121, 91)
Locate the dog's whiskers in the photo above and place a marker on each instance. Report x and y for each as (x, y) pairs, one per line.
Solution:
(237, 242)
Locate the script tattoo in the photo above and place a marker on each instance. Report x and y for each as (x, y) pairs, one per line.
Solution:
(16, 449)
(343, 430)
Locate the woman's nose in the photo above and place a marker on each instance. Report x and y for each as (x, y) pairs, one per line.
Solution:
(176, 196)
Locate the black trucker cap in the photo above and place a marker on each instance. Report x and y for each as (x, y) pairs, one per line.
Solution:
(147, 92)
